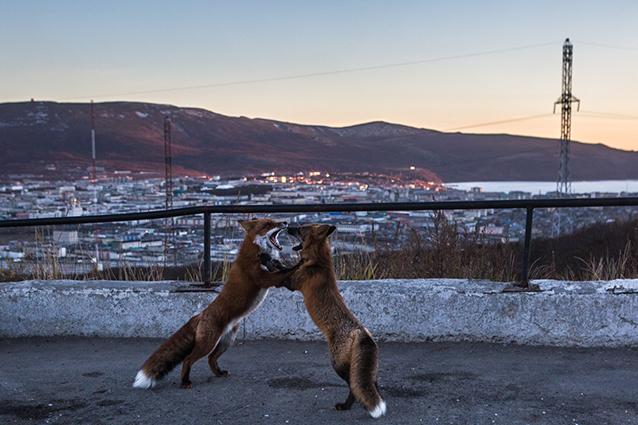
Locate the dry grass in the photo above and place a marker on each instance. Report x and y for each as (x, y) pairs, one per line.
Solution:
(445, 250)
(600, 252)
(50, 268)
(607, 268)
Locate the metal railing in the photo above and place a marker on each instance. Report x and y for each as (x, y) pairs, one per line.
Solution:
(528, 204)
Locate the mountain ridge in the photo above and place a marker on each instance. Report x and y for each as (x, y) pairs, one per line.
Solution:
(129, 136)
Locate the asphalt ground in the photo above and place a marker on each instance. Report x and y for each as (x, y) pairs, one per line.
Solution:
(88, 381)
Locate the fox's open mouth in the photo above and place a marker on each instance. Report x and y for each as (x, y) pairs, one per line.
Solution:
(294, 232)
(273, 239)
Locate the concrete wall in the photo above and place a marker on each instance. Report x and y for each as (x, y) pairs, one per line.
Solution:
(563, 313)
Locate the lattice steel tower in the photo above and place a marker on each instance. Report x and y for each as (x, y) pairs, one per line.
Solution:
(168, 163)
(564, 186)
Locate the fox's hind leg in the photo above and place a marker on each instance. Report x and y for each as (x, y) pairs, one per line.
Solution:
(204, 344)
(226, 341)
(343, 370)
(346, 405)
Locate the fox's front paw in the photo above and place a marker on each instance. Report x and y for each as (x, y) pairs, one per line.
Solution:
(342, 406)
(186, 385)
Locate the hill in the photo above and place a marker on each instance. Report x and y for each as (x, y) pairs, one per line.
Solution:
(129, 136)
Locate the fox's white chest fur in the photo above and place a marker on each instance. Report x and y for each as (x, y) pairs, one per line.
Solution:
(259, 299)
(262, 241)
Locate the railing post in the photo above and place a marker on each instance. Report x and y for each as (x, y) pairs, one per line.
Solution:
(527, 247)
(207, 267)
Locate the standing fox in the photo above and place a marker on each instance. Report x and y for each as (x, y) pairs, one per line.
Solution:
(353, 352)
(213, 330)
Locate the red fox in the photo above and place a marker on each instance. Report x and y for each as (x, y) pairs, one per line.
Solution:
(353, 352)
(213, 330)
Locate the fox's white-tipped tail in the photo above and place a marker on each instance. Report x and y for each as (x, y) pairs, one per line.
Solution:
(379, 410)
(144, 381)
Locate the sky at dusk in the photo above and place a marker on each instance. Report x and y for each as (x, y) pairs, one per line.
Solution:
(135, 50)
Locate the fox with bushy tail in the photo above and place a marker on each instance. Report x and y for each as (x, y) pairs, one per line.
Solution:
(213, 330)
(352, 349)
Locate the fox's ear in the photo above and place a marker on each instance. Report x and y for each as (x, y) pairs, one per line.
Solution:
(326, 230)
(247, 225)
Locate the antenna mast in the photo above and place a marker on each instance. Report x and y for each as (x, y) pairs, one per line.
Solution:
(168, 188)
(93, 181)
(93, 167)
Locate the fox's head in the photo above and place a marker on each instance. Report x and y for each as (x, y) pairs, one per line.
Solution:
(314, 244)
(262, 233)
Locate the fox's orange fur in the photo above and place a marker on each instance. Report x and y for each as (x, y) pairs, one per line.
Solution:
(213, 330)
(353, 351)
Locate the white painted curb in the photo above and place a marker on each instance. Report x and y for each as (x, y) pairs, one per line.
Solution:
(562, 314)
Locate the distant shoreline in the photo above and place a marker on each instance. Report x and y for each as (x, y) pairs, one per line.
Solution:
(542, 187)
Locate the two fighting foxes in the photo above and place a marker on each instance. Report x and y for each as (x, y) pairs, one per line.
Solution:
(353, 352)
(213, 330)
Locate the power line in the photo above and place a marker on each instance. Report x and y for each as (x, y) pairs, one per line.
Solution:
(606, 46)
(610, 115)
(505, 121)
(582, 114)
(321, 73)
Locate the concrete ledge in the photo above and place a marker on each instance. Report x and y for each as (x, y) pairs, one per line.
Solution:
(563, 313)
